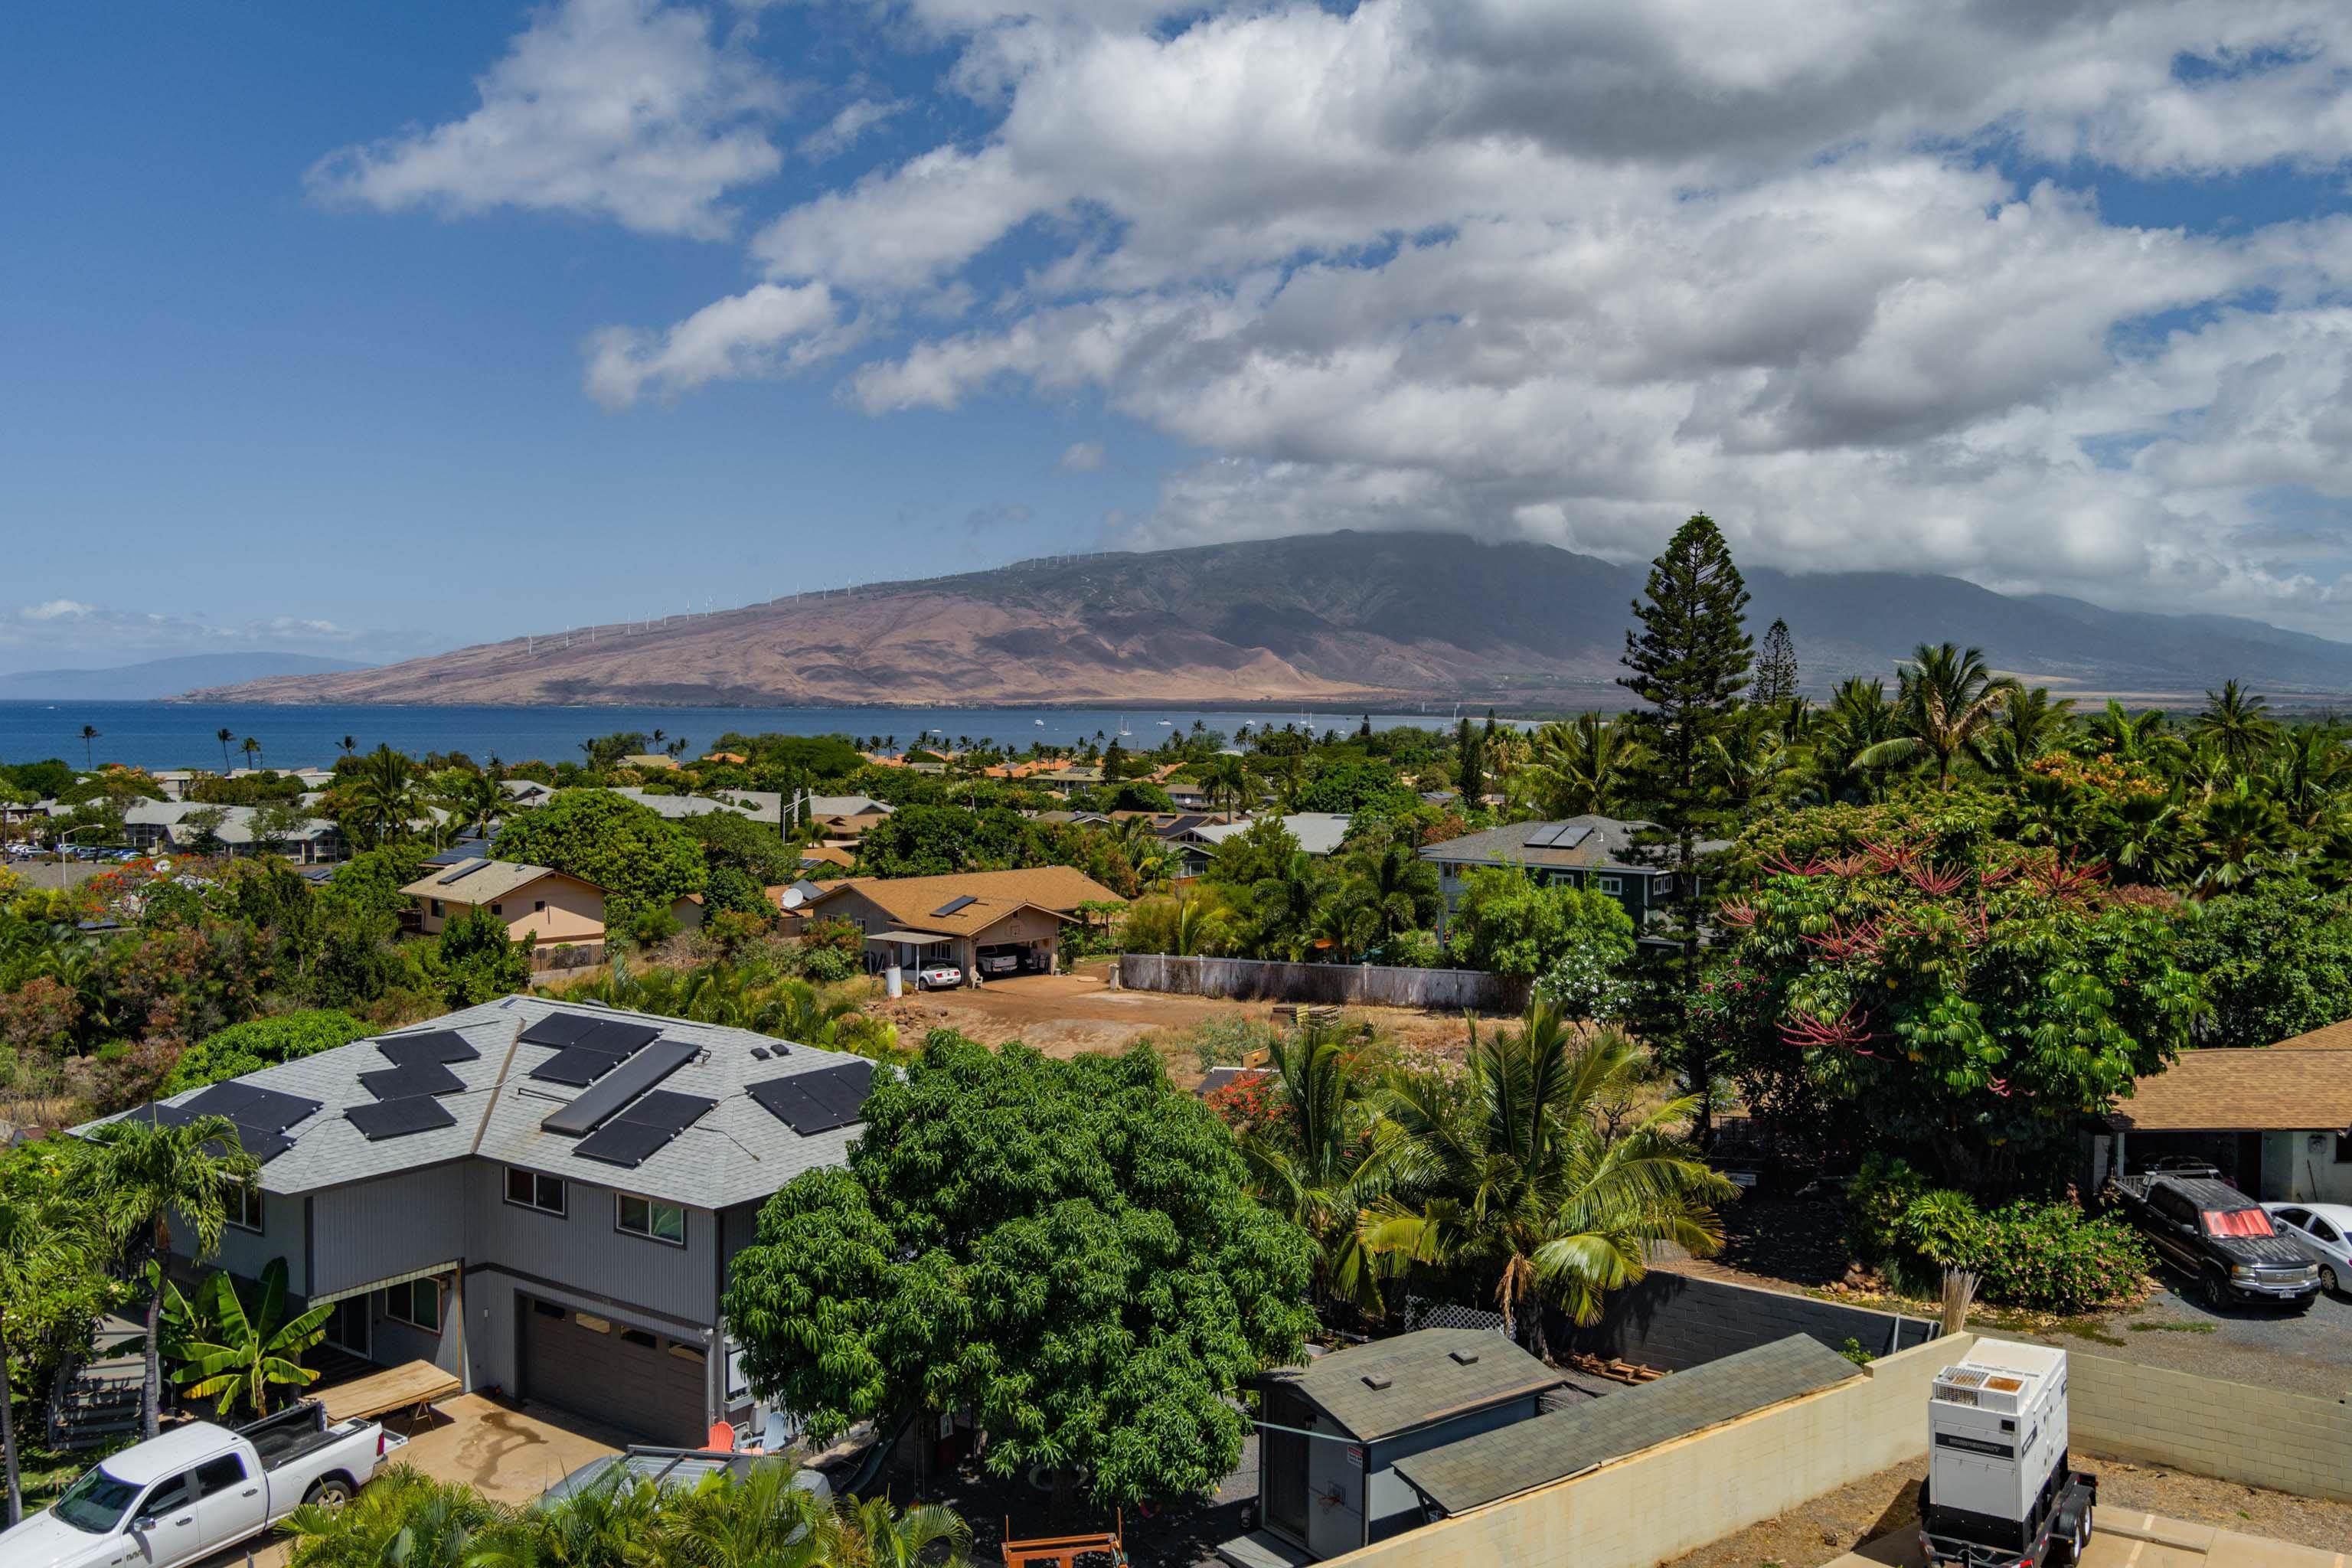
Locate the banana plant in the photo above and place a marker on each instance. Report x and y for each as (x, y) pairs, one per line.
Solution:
(238, 1356)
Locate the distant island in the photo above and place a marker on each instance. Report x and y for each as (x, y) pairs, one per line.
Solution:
(160, 678)
(1322, 618)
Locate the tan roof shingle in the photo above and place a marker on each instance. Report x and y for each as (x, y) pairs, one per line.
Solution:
(2257, 1091)
(914, 902)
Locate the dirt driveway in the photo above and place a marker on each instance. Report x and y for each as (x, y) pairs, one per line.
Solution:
(1063, 1015)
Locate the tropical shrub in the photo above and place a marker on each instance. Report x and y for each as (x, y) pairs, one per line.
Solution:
(262, 1042)
(2043, 1256)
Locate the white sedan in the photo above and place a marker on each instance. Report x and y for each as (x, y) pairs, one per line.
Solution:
(939, 977)
(2323, 1232)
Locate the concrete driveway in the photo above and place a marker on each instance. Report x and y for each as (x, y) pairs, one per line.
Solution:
(509, 1454)
(2123, 1539)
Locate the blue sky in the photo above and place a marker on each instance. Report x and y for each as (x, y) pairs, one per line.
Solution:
(372, 330)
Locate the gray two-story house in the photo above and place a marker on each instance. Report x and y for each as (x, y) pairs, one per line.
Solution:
(1597, 853)
(541, 1198)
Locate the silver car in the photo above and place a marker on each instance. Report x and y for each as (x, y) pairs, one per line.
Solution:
(2323, 1232)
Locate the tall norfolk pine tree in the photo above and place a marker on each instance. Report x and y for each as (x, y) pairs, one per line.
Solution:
(1776, 668)
(1688, 663)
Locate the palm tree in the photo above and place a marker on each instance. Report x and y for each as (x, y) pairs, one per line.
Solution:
(251, 748)
(240, 1355)
(385, 794)
(473, 800)
(1858, 719)
(2236, 725)
(349, 745)
(1943, 701)
(403, 1520)
(2030, 725)
(874, 1535)
(2307, 772)
(1224, 778)
(1395, 889)
(2116, 732)
(2243, 829)
(1312, 1168)
(614, 1525)
(1586, 767)
(89, 733)
(1535, 1171)
(759, 1520)
(145, 1174)
(224, 736)
(39, 1241)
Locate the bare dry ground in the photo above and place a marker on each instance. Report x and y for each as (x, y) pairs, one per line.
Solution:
(1064, 1015)
(1836, 1522)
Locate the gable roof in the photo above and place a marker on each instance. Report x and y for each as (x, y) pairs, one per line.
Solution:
(482, 882)
(1553, 1446)
(1425, 1376)
(2327, 1037)
(916, 902)
(1317, 831)
(735, 1152)
(2219, 1089)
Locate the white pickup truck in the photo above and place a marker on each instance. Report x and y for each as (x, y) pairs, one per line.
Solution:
(199, 1489)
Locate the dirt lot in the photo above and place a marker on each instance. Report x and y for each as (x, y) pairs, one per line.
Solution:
(1063, 1015)
(1836, 1522)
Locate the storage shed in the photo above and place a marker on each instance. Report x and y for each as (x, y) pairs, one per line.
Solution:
(1335, 1429)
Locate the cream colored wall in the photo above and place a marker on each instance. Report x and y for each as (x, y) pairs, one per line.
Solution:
(1657, 1505)
(2262, 1436)
(574, 912)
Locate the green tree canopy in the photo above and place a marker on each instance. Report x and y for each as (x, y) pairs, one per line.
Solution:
(1068, 1247)
(472, 962)
(933, 840)
(644, 862)
(249, 1046)
(1511, 925)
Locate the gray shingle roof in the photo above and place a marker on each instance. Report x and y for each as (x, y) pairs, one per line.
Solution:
(1317, 831)
(1425, 1381)
(1604, 845)
(737, 1152)
(1528, 1454)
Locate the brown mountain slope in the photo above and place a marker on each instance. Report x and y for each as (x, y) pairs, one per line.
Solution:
(1338, 617)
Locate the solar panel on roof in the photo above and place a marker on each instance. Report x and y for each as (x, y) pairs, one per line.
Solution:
(252, 1105)
(811, 1102)
(668, 1108)
(262, 1144)
(1558, 836)
(597, 1105)
(623, 1143)
(953, 905)
(461, 874)
(560, 1028)
(416, 1078)
(576, 1066)
(434, 1045)
(399, 1118)
(619, 1038)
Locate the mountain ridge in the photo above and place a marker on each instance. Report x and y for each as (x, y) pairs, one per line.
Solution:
(1333, 617)
(156, 678)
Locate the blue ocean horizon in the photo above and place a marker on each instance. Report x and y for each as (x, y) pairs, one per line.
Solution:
(185, 734)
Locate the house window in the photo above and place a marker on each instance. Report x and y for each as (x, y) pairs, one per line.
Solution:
(1613, 885)
(538, 906)
(417, 1303)
(645, 1216)
(436, 909)
(243, 1201)
(738, 1381)
(2344, 1148)
(498, 909)
(529, 1189)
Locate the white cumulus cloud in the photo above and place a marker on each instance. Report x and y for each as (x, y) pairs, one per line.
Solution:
(767, 331)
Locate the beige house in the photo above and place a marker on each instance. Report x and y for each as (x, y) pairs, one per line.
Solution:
(533, 900)
(984, 922)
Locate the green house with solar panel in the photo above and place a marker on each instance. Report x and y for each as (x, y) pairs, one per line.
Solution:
(540, 1198)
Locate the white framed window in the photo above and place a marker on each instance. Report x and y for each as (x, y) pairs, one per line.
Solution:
(243, 1201)
(417, 1303)
(1613, 884)
(530, 1190)
(738, 1381)
(436, 909)
(649, 1217)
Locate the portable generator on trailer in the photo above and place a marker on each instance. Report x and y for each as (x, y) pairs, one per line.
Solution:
(1999, 1494)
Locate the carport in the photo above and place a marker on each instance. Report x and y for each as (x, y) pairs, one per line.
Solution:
(908, 949)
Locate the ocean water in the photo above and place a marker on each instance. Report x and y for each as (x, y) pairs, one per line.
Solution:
(184, 735)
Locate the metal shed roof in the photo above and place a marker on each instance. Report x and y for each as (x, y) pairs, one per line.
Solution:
(1551, 1447)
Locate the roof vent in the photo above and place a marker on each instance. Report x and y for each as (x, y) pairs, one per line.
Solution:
(1376, 1381)
(1464, 1358)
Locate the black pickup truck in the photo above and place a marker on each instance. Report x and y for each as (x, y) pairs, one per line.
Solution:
(2218, 1237)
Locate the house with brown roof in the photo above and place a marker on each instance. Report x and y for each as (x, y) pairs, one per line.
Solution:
(984, 923)
(557, 908)
(2275, 1119)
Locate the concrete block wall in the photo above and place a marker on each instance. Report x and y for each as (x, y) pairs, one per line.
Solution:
(1676, 1320)
(2236, 1431)
(1333, 984)
(1653, 1506)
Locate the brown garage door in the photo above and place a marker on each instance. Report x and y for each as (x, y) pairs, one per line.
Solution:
(647, 1384)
